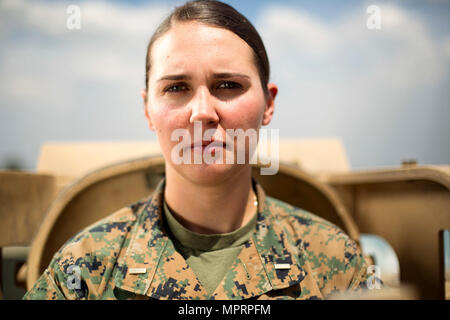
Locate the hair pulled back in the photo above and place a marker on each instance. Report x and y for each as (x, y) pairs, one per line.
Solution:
(217, 14)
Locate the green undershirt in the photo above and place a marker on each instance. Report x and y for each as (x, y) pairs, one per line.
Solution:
(209, 256)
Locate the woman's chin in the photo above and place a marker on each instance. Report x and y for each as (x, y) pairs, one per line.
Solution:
(209, 174)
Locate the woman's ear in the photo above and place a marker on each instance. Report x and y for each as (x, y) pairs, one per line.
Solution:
(147, 114)
(270, 103)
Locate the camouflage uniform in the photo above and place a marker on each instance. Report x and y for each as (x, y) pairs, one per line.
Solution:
(292, 254)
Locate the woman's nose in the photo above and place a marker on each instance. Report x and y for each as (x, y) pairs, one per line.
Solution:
(203, 108)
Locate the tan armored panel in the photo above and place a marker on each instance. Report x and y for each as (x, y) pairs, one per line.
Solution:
(71, 160)
(24, 197)
(409, 207)
(315, 155)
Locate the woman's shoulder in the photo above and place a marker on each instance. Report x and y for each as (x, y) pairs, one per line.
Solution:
(103, 233)
(303, 219)
(317, 237)
(93, 252)
(330, 253)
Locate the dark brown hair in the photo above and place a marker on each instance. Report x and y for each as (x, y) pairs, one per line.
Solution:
(217, 14)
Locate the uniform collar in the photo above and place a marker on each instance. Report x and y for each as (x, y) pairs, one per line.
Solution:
(151, 266)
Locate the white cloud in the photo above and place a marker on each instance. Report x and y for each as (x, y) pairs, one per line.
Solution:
(446, 46)
(366, 86)
(296, 31)
(402, 48)
(42, 53)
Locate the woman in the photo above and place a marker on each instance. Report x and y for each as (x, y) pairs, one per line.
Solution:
(208, 231)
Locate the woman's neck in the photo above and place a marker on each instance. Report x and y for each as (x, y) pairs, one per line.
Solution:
(211, 209)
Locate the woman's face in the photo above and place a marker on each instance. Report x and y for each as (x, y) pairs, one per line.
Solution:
(204, 75)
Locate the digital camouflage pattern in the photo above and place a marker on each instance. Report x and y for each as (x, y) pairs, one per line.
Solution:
(292, 254)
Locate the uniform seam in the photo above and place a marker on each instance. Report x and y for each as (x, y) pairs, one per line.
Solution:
(262, 261)
(137, 225)
(152, 276)
(55, 286)
(113, 262)
(293, 212)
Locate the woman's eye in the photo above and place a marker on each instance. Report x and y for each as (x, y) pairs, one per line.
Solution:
(176, 88)
(229, 85)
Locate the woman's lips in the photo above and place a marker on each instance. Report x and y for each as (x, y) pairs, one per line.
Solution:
(211, 146)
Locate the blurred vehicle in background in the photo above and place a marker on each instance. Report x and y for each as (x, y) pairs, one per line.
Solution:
(400, 216)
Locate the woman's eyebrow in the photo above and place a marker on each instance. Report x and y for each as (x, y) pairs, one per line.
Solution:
(225, 75)
(222, 75)
(175, 77)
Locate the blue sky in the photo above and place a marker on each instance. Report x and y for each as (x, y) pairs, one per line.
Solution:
(384, 93)
(437, 10)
